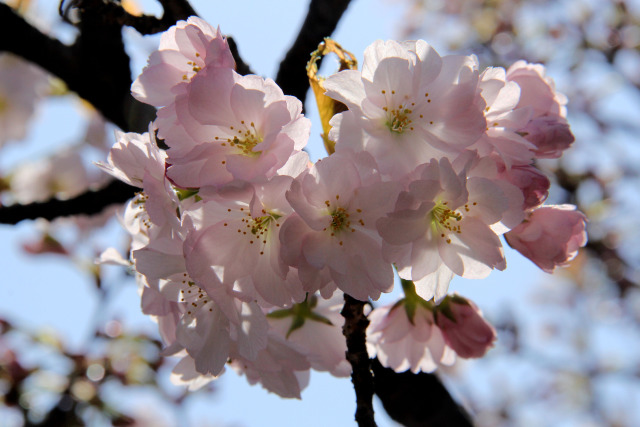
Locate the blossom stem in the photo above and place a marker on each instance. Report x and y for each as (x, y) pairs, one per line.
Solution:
(354, 329)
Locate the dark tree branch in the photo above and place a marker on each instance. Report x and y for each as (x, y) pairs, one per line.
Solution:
(144, 24)
(173, 11)
(177, 9)
(322, 19)
(89, 203)
(96, 66)
(100, 47)
(354, 329)
(417, 400)
(20, 38)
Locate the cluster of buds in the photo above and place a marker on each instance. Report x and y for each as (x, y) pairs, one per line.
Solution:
(244, 248)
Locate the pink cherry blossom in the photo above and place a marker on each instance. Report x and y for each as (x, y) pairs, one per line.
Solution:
(337, 203)
(550, 236)
(134, 155)
(547, 129)
(205, 319)
(150, 216)
(537, 90)
(185, 49)
(410, 105)
(463, 327)
(401, 343)
(444, 225)
(244, 128)
(234, 235)
(503, 120)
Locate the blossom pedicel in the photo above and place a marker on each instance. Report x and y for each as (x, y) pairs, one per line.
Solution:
(243, 248)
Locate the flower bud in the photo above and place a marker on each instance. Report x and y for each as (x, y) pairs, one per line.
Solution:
(533, 184)
(550, 134)
(463, 327)
(550, 236)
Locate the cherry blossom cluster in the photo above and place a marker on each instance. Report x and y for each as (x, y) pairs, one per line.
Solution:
(243, 248)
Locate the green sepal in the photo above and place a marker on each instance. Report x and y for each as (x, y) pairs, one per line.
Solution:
(280, 314)
(445, 308)
(317, 318)
(300, 313)
(185, 193)
(298, 322)
(412, 300)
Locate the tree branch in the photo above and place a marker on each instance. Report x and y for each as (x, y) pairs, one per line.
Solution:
(417, 400)
(173, 11)
(177, 9)
(89, 203)
(322, 19)
(96, 66)
(354, 329)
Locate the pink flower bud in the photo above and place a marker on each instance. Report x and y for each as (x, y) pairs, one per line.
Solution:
(45, 245)
(463, 327)
(550, 134)
(533, 184)
(550, 236)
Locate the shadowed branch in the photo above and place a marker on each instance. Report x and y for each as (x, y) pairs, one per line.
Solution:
(321, 21)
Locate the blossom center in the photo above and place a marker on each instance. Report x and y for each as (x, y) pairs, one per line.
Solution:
(247, 144)
(255, 230)
(194, 69)
(339, 219)
(261, 224)
(245, 140)
(442, 217)
(399, 120)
